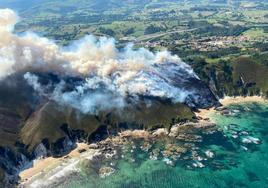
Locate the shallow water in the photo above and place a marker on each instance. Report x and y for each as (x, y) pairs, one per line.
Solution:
(234, 164)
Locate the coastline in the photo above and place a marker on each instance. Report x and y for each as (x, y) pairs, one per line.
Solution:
(234, 100)
(204, 114)
(53, 168)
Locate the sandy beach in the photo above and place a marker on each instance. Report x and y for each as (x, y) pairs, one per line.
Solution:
(204, 113)
(55, 167)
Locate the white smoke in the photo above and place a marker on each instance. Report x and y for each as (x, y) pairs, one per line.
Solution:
(109, 74)
(33, 81)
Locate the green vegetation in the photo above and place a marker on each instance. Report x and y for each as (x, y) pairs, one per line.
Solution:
(48, 121)
(224, 43)
(68, 20)
(254, 75)
(159, 114)
(235, 76)
(213, 36)
(256, 33)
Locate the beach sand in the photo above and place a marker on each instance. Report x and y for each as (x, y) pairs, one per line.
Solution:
(204, 113)
(55, 166)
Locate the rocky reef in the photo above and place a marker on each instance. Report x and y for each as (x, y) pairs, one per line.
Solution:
(178, 143)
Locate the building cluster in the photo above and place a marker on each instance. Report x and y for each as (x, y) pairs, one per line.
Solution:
(215, 43)
(204, 44)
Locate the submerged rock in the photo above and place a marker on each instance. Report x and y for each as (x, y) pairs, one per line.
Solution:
(106, 171)
(189, 138)
(154, 154)
(209, 154)
(243, 133)
(168, 161)
(152, 157)
(198, 165)
(244, 148)
(225, 112)
(146, 146)
(250, 139)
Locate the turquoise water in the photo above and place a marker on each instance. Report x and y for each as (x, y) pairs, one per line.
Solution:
(236, 162)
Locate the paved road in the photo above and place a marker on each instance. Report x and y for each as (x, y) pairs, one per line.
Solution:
(153, 36)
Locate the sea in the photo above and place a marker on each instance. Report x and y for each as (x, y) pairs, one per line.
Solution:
(236, 155)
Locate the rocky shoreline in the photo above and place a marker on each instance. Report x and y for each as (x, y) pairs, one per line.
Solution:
(189, 133)
(102, 153)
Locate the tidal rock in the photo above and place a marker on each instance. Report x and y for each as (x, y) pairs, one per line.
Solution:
(136, 134)
(250, 139)
(189, 138)
(146, 146)
(235, 136)
(110, 154)
(220, 108)
(93, 146)
(168, 161)
(243, 133)
(191, 128)
(155, 153)
(82, 150)
(244, 148)
(226, 112)
(160, 132)
(174, 131)
(173, 151)
(106, 171)
(209, 154)
(236, 111)
(152, 157)
(198, 165)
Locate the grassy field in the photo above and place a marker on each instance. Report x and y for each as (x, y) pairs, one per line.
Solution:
(255, 33)
(47, 122)
(251, 72)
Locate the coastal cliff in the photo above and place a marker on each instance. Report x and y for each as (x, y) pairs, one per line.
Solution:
(36, 127)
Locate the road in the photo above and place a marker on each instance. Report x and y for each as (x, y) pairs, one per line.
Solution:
(157, 35)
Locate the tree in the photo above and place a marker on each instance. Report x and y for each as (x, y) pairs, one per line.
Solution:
(105, 31)
(152, 29)
(128, 31)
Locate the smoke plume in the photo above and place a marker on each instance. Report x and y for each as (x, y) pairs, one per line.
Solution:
(108, 75)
